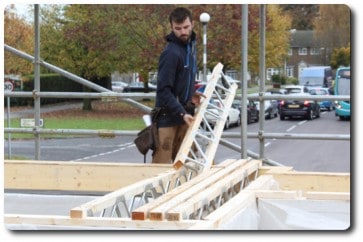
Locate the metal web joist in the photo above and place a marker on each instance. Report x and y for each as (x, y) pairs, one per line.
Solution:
(201, 141)
(122, 202)
(195, 155)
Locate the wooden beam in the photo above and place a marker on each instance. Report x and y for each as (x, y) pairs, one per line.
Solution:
(313, 181)
(64, 222)
(159, 213)
(142, 213)
(217, 188)
(127, 193)
(76, 176)
(328, 196)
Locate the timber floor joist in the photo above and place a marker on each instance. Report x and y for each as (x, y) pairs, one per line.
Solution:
(207, 201)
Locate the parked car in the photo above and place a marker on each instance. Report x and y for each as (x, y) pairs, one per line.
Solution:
(138, 87)
(271, 108)
(296, 89)
(324, 105)
(308, 109)
(252, 111)
(118, 86)
(231, 81)
(280, 91)
(233, 118)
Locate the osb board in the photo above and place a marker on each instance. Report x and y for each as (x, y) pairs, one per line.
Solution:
(76, 176)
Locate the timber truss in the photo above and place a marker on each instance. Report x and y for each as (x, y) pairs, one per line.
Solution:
(201, 142)
(175, 195)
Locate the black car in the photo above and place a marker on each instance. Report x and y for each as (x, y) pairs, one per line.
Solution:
(252, 110)
(138, 87)
(271, 108)
(308, 109)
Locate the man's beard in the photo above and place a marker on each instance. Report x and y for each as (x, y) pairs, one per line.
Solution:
(185, 38)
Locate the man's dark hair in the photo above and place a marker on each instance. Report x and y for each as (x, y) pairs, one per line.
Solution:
(179, 15)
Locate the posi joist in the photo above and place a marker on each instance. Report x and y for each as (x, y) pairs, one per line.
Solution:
(235, 194)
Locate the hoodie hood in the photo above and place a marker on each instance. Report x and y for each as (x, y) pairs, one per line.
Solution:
(172, 38)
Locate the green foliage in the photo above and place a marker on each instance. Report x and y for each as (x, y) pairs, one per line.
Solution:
(278, 79)
(292, 80)
(48, 83)
(94, 40)
(340, 57)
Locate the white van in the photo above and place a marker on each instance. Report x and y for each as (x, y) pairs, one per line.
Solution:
(320, 76)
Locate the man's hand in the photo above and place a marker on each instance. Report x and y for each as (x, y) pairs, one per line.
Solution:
(196, 98)
(188, 119)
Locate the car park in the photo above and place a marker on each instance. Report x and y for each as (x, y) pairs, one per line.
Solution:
(323, 91)
(138, 87)
(306, 108)
(118, 86)
(233, 118)
(252, 110)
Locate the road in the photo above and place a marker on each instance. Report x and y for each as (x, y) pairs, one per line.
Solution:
(303, 155)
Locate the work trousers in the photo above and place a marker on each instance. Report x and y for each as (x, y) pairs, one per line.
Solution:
(170, 140)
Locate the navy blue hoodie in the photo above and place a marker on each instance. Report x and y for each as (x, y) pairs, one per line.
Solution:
(176, 79)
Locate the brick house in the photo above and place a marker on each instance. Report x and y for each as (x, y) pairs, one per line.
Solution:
(304, 51)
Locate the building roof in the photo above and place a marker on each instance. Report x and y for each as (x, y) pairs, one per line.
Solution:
(303, 38)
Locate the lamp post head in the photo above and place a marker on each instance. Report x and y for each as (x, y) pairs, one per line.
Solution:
(204, 18)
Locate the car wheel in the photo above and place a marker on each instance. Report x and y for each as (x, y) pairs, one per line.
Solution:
(227, 124)
(239, 121)
(282, 117)
(310, 114)
(248, 118)
(318, 113)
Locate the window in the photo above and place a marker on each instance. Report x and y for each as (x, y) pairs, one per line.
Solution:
(314, 51)
(303, 51)
(290, 52)
(271, 72)
(290, 71)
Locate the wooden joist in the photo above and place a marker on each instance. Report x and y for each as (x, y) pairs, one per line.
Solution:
(163, 182)
(228, 186)
(49, 222)
(313, 181)
(174, 199)
(194, 133)
(76, 176)
(176, 206)
(142, 213)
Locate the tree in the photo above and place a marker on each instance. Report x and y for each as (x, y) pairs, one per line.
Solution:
(332, 26)
(277, 37)
(340, 57)
(96, 40)
(302, 15)
(18, 33)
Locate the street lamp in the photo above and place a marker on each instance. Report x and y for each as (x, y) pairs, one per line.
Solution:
(204, 19)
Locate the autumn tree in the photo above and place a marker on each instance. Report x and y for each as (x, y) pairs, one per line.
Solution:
(340, 57)
(95, 40)
(302, 15)
(332, 26)
(277, 27)
(18, 33)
